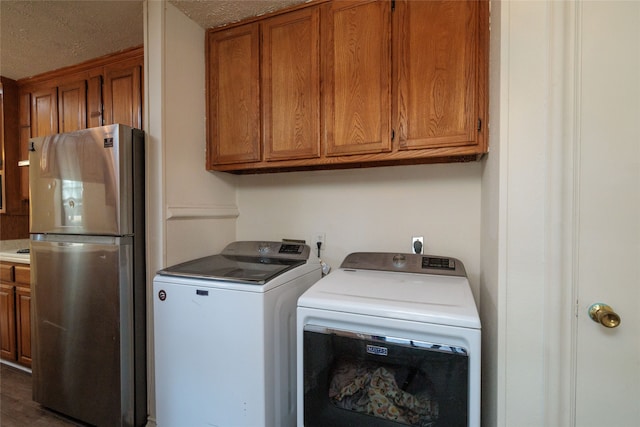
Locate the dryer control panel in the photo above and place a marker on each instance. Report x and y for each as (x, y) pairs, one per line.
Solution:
(406, 263)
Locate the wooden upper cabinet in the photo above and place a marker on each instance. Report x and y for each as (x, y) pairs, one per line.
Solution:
(10, 146)
(233, 91)
(394, 82)
(122, 94)
(437, 66)
(44, 112)
(94, 101)
(291, 85)
(358, 77)
(24, 114)
(72, 106)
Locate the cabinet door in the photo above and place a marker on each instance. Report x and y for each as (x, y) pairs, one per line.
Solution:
(94, 101)
(9, 136)
(123, 94)
(2, 126)
(25, 134)
(72, 106)
(23, 314)
(23, 325)
(233, 95)
(44, 112)
(291, 85)
(437, 73)
(358, 78)
(7, 322)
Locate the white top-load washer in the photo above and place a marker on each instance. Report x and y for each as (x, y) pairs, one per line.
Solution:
(225, 336)
(387, 339)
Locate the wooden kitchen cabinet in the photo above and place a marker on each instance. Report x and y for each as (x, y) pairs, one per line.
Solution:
(15, 313)
(233, 95)
(94, 101)
(402, 82)
(358, 77)
(44, 111)
(440, 75)
(24, 122)
(7, 313)
(290, 82)
(104, 90)
(9, 147)
(58, 108)
(72, 106)
(98, 92)
(23, 315)
(122, 89)
(264, 102)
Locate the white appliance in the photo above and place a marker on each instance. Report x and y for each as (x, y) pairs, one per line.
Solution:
(225, 336)
(388, 340)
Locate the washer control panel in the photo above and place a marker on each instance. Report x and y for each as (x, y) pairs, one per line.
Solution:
(263, 249)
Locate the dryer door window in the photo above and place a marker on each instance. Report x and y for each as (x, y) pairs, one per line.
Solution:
(353, 378)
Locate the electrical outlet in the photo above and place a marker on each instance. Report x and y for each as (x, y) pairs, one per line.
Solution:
(417, 245)
(319, 236)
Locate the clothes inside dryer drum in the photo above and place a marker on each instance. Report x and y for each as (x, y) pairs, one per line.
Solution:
(373, 389)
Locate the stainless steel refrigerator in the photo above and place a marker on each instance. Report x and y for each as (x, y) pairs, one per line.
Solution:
(88, 274)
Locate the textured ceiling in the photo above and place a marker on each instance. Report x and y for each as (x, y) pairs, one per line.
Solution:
(43, 35)
(213, 13)
(39, 36)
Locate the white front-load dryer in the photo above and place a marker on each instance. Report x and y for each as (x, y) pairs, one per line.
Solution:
(225, 336)
(388, 340)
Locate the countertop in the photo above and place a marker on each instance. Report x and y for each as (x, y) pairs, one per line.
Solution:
(9, 251)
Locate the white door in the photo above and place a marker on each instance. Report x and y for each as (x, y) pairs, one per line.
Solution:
(607, 245)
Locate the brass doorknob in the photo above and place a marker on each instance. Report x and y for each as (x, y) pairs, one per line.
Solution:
(603, 314)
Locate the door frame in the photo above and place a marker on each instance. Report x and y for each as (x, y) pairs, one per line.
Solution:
(562, 217)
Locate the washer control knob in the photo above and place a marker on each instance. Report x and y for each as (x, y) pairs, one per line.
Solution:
(264, 248)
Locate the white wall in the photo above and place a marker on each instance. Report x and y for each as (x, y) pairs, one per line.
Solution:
(376, 209)
(200, 206)
(191, 212)
(525, 307)
(493, 247)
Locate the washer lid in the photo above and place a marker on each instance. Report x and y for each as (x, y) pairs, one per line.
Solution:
(427, 298)
(245, 262)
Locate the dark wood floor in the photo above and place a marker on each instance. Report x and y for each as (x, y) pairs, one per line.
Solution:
(17, 409)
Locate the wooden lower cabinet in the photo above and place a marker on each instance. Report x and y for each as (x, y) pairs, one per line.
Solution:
(8, 321)
(15, 313)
